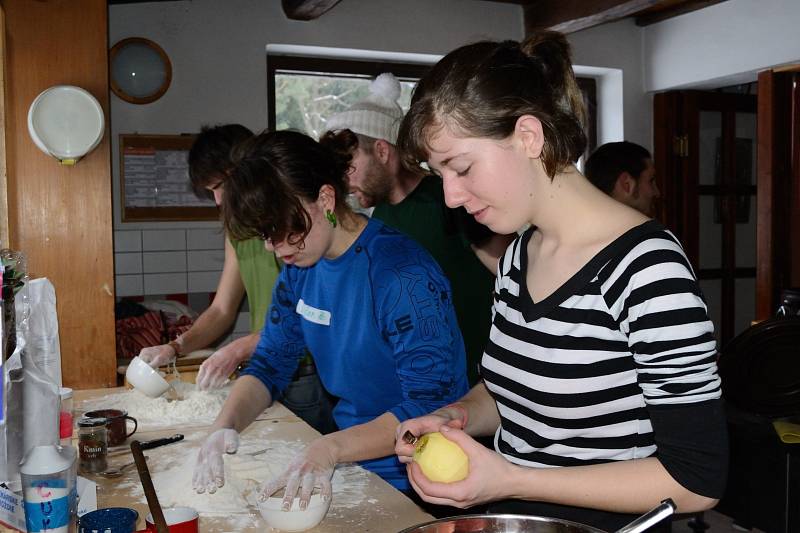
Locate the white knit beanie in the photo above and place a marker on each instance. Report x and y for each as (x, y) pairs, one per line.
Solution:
(378, 115)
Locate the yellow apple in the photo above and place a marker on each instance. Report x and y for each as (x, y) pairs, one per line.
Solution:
(440, 459)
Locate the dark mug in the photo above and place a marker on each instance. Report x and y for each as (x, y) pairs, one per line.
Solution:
(109, 520)
(115, 424)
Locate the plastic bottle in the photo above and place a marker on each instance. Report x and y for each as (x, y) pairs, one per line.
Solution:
(65, 417)
(49, 489)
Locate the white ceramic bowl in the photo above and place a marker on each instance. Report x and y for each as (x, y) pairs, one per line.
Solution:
(294, 519)
(186, 517)
(145, 379)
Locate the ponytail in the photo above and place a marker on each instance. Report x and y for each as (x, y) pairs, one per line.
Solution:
(553, 51)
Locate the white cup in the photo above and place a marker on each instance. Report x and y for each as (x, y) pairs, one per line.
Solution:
(145, 378)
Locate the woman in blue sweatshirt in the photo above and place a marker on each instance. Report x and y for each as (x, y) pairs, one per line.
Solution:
(370, 303)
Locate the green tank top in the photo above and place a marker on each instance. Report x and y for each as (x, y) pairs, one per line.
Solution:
(259, 270)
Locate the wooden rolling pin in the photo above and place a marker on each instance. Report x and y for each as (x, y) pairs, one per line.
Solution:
(149, 489)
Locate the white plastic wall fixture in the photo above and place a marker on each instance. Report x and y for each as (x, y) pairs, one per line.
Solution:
(66, 122)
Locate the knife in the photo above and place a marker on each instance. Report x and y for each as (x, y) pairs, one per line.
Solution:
(147, 445)
(155, 443)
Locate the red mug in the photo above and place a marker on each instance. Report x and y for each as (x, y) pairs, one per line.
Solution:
(116, 423)
(179, 520)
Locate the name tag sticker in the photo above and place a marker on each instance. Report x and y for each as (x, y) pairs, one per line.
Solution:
(312, 314)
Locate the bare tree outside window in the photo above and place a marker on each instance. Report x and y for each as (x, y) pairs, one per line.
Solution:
(304, 102)
(303, 92)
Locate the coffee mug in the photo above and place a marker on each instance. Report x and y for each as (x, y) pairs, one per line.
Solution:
(179, 520)
(115, 424)
(109, 520)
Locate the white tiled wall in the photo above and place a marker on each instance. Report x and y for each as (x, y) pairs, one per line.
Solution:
(205, 260)
(167, 239)
(151, 262)
(158, 262)
(202, 281)
(205, 239)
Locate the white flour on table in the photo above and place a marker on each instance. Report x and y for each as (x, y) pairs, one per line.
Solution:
(197, 407)
(171, 468)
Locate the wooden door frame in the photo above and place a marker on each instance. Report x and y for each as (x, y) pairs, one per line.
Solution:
(4, 233)
(677, 154)
(777, 254)
(679, 206)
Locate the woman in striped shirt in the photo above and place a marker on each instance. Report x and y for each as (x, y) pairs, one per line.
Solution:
(600, 383)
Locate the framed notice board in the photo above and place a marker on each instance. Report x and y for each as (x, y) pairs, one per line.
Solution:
(154, 180)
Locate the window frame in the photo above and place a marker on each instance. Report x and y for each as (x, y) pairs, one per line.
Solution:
(404, 71)
(335, 67)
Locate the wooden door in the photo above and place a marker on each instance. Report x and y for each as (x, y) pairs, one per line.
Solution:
(705, 155)
(778, 186)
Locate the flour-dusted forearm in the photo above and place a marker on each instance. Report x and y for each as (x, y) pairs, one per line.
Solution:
(248, 398)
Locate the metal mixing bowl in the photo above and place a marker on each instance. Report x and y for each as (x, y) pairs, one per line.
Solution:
(501, 523)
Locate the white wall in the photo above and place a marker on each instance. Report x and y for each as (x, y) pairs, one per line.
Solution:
(724, 44)
(218, 54)
(618, 45)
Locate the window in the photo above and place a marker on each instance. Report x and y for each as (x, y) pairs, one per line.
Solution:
(304, 92)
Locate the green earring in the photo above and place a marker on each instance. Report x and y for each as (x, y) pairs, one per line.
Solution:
(331, 216)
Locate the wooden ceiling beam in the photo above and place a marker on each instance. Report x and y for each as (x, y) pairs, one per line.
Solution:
(668, 9)
(568, 16)
(307, 9)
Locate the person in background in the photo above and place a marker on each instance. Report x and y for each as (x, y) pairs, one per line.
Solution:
(371, 305)
(600, 380)
(247, 268)
(412, 202)
(625, 171)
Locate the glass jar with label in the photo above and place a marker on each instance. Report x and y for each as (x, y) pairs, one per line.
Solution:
(92, 444)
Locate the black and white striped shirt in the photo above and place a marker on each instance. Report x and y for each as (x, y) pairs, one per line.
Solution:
(575, 375)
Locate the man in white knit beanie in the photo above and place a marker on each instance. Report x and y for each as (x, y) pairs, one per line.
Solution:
(377, 175)
(413, 203)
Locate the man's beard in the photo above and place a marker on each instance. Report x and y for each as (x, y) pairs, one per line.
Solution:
(377, 187)
(647, 210)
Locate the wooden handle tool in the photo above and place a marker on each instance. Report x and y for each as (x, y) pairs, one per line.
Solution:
(149, 489)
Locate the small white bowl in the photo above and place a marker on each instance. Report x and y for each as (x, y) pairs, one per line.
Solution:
(294, 519)
(145, 379)
(186, 517)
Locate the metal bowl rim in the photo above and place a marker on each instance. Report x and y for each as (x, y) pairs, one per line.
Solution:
(535, 518)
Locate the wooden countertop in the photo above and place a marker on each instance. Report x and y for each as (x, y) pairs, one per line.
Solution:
(372, 505)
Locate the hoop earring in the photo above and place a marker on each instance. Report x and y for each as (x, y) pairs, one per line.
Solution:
(331, 216)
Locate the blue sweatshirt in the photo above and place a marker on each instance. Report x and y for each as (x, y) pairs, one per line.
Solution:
(379, 320)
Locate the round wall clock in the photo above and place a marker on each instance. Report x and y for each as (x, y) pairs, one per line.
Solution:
(139, 69)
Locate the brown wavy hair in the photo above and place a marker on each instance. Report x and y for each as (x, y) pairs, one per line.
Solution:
(272, 174)
(482, 89)
(210, 155)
